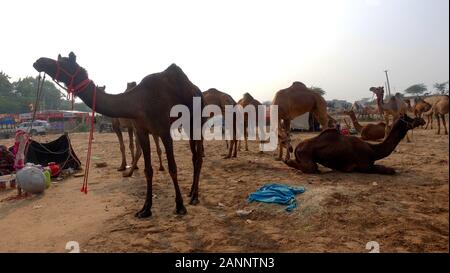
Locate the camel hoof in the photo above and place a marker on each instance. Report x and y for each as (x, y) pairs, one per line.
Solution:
(194, 201)
(121, 168)
(136, 168)
(143, 214)
(127, 174)
(161, 168)
(181, 211)
(226, 157)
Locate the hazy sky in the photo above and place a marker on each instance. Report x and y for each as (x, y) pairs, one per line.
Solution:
(236, 46)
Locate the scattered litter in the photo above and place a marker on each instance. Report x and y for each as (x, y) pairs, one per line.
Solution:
(242, 212)
(277, 193)
(37, 207)
(375, 184)
(221, 205)
(248, 221)
(78, 174)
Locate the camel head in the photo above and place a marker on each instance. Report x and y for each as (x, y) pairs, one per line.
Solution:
(378, 91)
(64, 69)
(411, 123)
(285, 139)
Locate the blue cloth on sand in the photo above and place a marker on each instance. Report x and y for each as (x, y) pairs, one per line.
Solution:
(277, 193)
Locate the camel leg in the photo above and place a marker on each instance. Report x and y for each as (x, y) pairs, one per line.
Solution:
(379, 169)
(168, 145)
(234, 143)
(287, 125)
(137, 156)
(305, 165)
(145, 146)
(438, 123)
(131, 145)
(118, 132)
(445, 124)
(158, 150)
(197, 161)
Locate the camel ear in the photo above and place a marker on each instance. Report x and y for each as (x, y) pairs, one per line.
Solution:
(59, 57)
(72, 57)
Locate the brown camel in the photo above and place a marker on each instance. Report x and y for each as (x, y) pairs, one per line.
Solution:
(247, 99)
(213, 96)
(293, 102)
(149, 105)
(369, 131)
(395, 107)
(420, 107)
(117, 125)
(348, 153)
(440, 109)
(429, 110)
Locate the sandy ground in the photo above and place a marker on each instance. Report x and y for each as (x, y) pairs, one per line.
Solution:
(338, 212)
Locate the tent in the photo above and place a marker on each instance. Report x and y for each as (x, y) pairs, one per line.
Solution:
(59, 151)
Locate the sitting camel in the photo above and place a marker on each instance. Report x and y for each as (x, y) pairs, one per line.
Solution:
(213, 96)
(117, 125)
(348, 153)
(369, 131)
(247, 99)
(395, 107)
(149, 105)
(293, 102)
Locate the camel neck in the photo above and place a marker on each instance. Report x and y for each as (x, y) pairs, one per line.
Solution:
(385, 148)
(115, 106)
(356, 124)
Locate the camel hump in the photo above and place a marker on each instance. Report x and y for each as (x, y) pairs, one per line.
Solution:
(248, 96)
(299, 84)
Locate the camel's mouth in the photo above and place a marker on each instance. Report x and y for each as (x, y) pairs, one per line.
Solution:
(42, 64)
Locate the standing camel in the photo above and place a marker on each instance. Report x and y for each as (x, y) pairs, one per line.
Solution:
(293, 102)
(247, 99)
(213, 96)
(149, 105)
(117, 125)
(440, 109)
(395, 107)
(428, 110)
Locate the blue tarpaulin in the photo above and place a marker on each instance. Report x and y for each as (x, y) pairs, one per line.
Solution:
(277, 193)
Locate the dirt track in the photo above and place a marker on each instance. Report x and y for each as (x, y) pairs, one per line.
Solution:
(338, 212)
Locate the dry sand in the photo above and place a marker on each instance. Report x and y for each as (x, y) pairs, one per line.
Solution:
(339, 212)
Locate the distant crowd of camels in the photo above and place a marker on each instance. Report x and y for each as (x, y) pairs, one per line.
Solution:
(144, 109)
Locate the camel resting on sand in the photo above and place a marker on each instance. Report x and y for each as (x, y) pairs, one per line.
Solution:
(370, 131)
(213, 96)
(293, 102)
(349, 153)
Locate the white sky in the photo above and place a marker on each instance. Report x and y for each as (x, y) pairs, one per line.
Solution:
(259, 47)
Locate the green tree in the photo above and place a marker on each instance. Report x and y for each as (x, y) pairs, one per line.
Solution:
(441, 88)
(416, 89)
(27, 90)
(318, 90)
(5, 85)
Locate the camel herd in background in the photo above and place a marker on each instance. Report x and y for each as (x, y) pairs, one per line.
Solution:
(144, 109)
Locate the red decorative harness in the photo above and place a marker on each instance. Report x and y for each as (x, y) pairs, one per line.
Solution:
(72, 92)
